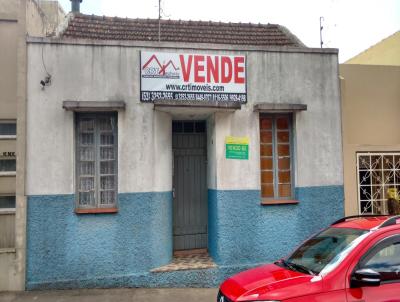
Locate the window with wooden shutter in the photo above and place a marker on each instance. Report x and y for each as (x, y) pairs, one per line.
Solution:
(276, 157)
(96, 161)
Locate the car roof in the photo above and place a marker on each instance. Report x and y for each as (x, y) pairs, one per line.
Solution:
(362, 223)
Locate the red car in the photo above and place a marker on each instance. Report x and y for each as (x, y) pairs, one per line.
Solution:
(357, 258)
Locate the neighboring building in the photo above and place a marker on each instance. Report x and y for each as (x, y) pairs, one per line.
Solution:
(385, 53)
(222, 137)
(18, 18)
(371, 138)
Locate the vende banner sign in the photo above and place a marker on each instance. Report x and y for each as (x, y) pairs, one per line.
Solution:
(192, 77)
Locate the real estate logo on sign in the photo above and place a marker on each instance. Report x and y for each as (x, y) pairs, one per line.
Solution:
(192, 77)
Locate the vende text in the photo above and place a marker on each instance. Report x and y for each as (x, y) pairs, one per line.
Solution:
(212, 69)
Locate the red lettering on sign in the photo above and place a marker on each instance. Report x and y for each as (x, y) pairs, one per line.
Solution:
(198, 67)
(238, 69)
(213, 69)
(186, 68)
(226, 69)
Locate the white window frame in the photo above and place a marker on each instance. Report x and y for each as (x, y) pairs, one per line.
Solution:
(382, 185)
(9, 136)
(6, 211)
(9, 173)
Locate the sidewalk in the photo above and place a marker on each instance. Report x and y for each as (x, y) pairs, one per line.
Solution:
(114, 295)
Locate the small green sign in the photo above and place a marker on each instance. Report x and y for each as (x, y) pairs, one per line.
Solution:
(237, 147)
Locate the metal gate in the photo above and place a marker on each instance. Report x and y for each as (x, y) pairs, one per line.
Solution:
(190, 184)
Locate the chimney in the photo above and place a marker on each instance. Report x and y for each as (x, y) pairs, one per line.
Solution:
(75, 6)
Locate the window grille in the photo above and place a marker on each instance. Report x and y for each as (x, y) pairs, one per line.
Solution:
(7, 202)
(8, 165)
(276, 156)
(377, 173)
(96, 150)
(8, 128)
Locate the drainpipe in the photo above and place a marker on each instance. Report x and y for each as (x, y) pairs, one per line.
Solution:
(75, 6)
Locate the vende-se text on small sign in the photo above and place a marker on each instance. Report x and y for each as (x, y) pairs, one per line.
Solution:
(192, 77)
(236, 147)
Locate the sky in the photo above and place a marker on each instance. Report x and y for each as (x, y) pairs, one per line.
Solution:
(352, 26)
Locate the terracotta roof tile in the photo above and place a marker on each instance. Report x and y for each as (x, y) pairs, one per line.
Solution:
(113, 28)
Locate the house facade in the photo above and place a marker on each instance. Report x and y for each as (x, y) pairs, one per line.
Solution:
(215, 137)
(18, 18)
(371, 140)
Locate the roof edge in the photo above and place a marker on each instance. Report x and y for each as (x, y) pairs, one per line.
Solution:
(175, 45)
(287, 32)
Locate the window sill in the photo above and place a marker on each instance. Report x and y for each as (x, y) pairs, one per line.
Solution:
(8, 173)
(7, 250)
(8, 137)
(7, 211)
(272, 202)
(96, 211)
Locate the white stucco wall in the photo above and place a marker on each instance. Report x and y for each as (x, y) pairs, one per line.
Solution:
(107, 73)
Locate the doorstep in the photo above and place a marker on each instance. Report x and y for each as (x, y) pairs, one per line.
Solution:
(187, 260)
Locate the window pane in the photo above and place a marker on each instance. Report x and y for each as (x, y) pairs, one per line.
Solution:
(107, 153)
(86, 154)
(107, 167)
(283, 150)
(376, 162)
(107, 139)
(8, 165)
(86, 139)
(282, 123)
(86, 198)
(86, 125)
(86, 184)
(284, 177)
(107, 197)
(267, 177)
(265, 123)
(105, 124)
(107, 182)
(364, 162)
(266, 163)
(285, 191)
(386, 262)
(266, 150)
(284, 163)
(267, 191)
(266, 137)
(388, 162)
(8, 129)
(283, 136)
(86, 168)
(7, 202)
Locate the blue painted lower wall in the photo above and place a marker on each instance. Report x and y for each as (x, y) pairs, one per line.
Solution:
(66, 250)
(242, 231)
(66, 247)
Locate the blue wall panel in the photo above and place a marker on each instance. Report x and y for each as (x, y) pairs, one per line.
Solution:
(66, 250)
(242, 231)
(66, 246)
